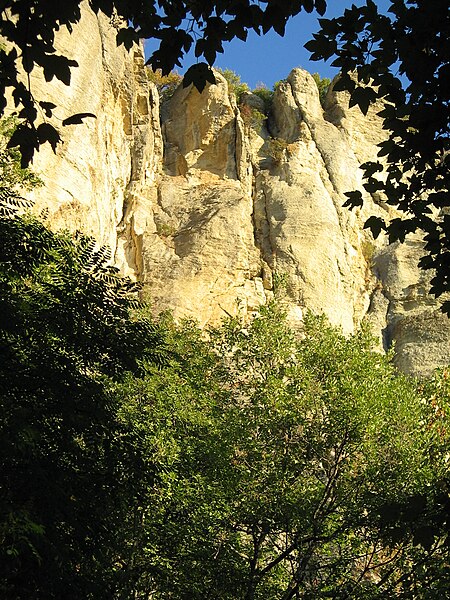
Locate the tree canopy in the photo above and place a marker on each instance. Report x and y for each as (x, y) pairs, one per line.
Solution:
(289, 468)
(140, 459)
(68, 330)
(68, 467)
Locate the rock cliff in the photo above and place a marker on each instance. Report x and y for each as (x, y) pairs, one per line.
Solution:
(211, 208)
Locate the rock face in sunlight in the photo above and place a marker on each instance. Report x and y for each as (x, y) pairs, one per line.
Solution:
(103, 165)
(212, 207)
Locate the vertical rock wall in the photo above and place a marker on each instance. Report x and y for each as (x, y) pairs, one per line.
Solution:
(210, 210)
(239, 208)
(101, 168)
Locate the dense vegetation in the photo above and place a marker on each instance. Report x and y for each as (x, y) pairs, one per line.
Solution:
(289, 468)
(143, 460)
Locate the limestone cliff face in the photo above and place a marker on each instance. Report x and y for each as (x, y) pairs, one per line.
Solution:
(210, 210)
(102, 165)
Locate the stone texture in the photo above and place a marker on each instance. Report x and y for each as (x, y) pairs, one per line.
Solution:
(211, 211)
(101, 168)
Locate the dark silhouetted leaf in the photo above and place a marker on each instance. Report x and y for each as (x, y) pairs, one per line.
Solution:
(375, 224)
(77, 119)
(47, 107)
(354, 199)
(128, 37)
(199, 75)
(26, 139)
(47, 133)
(424, 536)
(362, 97)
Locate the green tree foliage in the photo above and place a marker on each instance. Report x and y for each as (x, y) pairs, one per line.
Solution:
(402, 58)
(14, 179)
(276, 149)
(266, 96)
(235, 85)
(69, 471)
(165, 84)
(68, 467)
(323, 83)
(289, 469)
(252, 117)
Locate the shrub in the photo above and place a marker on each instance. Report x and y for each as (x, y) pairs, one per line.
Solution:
(235, 85)
(165, 84)
(322, 85)
(266, 96)
(252, 117)
(276, 148)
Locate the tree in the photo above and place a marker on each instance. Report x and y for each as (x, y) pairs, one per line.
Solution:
(69, 468)
(28, 29)
(322, 85)
(402, 58)
(289, 468)
(165, 84)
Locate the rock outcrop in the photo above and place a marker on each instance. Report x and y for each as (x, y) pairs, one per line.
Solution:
(103, 165)
(211, 209)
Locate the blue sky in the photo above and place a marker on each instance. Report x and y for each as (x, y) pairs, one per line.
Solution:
(269, 58)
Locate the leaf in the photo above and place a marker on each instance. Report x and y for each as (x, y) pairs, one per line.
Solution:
(321, 47)
(47, 133)
(446, 310)
(127, 37)
(77, 119)
(57, 66)
(47, 107)
(28, 113)
(386, 147)
(273, 18)
(371, 167)
(26, 139)
(199, 75)
(424, 536)
(389, 513)
(362, 97)
(398, 228)
(375, 224)
(321, 7)
(415, 506)
(354, 199)
(344, 83)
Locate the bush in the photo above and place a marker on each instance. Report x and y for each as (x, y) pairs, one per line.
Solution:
(322, 85)
(165, 84)
(235, 85)
(252, 117)
(276, 149)
(266, 96)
